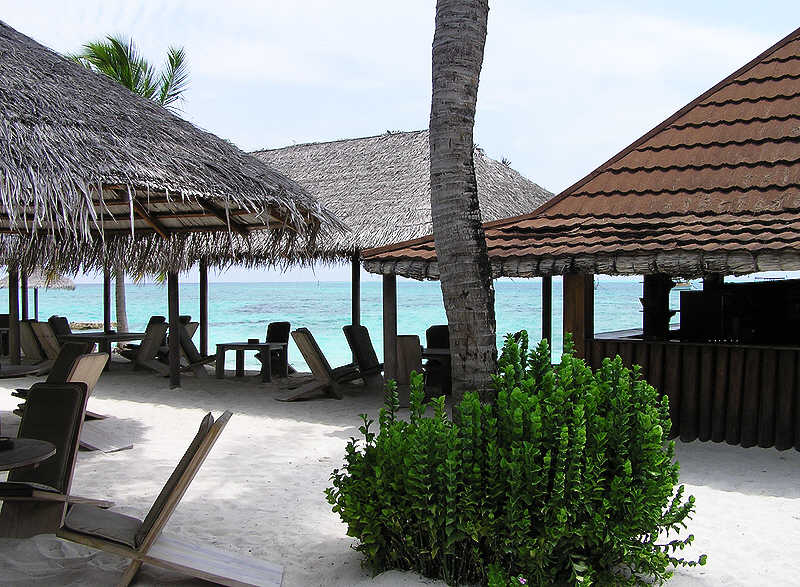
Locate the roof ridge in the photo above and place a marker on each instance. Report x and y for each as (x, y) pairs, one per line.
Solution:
(350, 140)
(795, 34)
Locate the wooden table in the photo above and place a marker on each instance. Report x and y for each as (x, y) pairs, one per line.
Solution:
(266, 357)
(103, 340)
(26, 451)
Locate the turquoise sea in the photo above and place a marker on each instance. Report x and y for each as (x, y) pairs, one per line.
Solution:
(238, 311)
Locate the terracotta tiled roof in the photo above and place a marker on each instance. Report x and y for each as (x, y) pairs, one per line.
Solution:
(714, 188)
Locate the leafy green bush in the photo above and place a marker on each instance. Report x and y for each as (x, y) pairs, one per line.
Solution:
(567, 479)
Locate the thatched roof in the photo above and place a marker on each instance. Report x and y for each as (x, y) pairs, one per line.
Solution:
(715, 188)
(380, 186)
(37, 279)
(81, 157)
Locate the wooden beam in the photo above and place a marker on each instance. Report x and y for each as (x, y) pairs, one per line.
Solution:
(655, 306)
(355, 287)
(174, 338)
(162, 230)
(14, 350)
(547, 311)
(579, 310)
(227, 219)
(204, 306)
(390, 326)
(106, 300)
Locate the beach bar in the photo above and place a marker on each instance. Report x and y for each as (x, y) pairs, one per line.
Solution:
(713, 191)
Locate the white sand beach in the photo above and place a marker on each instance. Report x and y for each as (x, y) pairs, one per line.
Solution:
(260, 491)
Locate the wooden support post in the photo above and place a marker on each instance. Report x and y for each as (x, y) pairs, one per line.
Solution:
(355, 291)
(106, 300)
(655, 306)
(204, 306)
(14, 351)
(23, 286)
(174, 338)
(36, 303)
(579, 310)
(355, 282)
(390, 326)
(712, 304)
(547, 311)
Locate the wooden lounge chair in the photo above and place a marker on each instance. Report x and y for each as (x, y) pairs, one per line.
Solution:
(437, 370)
(47, 339)
(143, 542)
(325, 378)
(60, 325)
(129, 350)
(146, 354)
(29, 343)
(278, 332)
(61, 367)
(34, 499)
(369, 367)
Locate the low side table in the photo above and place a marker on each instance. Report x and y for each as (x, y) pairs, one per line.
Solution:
(25, 452)
(266, 357)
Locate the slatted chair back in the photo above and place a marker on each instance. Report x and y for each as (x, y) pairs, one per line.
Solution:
(438, 337)
(65, 361)
(191, 328)
(278, 331)
(361, 345)
(153, 335)
(60, 325)
(312, 354)
(54, 412)
(27, 339)
(47, 339)
(87, 369)
(181, 477)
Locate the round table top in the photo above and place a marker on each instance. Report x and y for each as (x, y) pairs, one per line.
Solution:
(26, 451)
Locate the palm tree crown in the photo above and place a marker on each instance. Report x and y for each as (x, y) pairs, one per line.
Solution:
(121, 61)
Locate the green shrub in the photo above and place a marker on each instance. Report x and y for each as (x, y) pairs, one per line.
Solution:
(567, 479)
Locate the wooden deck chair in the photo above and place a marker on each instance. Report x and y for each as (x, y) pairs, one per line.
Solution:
(129, 350)
(146, 354)
(62, 366)
(195, 360)
(34, 499)
(369, 367)
(278, 332)
(60, 325)
(47, 339)
(143, 542)
(325, 378)
(29, 343)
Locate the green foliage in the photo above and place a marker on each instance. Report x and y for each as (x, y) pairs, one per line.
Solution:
(119, 59)
(567, 479)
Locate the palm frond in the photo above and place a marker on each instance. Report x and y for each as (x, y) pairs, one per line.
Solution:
(174, 78)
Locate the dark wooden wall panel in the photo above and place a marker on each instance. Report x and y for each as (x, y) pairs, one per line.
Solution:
(705, 393)
(720, 394)
(689, 392)
(751, 392)
(785, 399)
(766, 403)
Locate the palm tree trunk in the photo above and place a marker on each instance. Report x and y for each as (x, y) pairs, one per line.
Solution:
(122, 312)
(466, 278)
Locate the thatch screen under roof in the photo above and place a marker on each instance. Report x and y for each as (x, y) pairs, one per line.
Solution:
(715, 188)
(83, 158)
(37, 279)
(380, 186)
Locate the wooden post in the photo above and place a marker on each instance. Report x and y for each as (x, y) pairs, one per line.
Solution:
(712, 303)
(23, 280)
(173, 303)
(14, 352)
(579, 310)
(355, 291)
(655, 306)
(106, 300)
(355, 282)
(36, 303)
(390, 327)
(204, 306)
(547, 311)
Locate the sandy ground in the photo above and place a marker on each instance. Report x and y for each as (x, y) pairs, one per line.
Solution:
(260, 492)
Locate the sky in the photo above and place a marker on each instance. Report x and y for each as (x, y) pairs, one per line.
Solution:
(564, 86)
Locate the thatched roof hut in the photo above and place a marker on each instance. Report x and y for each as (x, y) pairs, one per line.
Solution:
(37, 280)
(380, 186)
(84, 160)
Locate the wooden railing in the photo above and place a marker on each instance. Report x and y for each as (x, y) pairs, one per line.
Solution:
(746, 395)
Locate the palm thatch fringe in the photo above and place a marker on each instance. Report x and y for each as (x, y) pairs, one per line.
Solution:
(80, 155)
